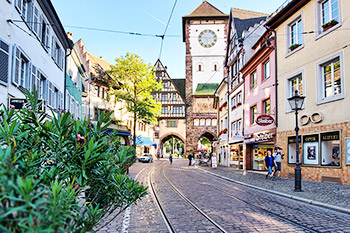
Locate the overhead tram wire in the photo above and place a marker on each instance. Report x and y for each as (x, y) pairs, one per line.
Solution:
(166, 28)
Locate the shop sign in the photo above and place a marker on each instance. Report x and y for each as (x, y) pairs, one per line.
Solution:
(293, 139)
(330, 136)
(311, 138)
(266, 136)
(236, 135)
(224, 137)
(247, 136)
(264, 120)
(215, 144)
(315, 118)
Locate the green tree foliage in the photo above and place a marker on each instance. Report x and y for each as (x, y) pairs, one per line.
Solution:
(134, 83)
(61, 174)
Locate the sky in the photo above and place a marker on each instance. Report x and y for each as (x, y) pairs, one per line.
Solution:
(148, 17)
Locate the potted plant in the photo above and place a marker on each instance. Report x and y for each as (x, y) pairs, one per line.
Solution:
(330, 24)
(294, 46)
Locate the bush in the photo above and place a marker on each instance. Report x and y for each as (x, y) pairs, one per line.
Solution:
(61, 174)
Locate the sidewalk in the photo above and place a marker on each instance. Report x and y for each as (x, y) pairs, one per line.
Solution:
(331, 196)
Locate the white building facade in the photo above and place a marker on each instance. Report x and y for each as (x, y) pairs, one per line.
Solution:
(33, 51)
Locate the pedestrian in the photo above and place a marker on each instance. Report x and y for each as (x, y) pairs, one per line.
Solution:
(189, 159)
(158, 154)
(171, 158)
(269, 162)
(278, 156)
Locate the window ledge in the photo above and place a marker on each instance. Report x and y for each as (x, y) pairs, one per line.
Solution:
(289, 53)
(331, 99)
(323, 33)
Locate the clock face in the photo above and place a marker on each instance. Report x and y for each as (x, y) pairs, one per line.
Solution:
(207, 38)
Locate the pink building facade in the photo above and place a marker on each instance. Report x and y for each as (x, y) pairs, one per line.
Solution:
(259, 108)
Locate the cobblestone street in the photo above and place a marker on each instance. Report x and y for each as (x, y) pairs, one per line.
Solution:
(193, 200)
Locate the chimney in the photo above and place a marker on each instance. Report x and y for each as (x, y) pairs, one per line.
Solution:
(70, 35)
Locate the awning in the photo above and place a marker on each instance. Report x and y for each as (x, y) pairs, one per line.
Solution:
(144, 141)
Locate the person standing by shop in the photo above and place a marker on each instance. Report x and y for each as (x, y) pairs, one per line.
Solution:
(269, 162)
(277, 155)
(171, 158)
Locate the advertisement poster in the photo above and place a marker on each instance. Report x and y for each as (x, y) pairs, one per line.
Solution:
(347, 151)
(311, 153)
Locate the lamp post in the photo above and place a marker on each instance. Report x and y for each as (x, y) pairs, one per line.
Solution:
(296, 103)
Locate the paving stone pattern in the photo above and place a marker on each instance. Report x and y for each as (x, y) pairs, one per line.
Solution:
(333, 194)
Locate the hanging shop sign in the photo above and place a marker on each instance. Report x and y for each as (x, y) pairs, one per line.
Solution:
(264, 120)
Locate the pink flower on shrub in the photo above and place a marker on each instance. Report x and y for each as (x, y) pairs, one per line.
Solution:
(12, 106)
(0, 117)
(81, 137)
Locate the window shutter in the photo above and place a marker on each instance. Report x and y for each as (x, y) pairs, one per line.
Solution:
(47, 33)
(62, 58)
(16, 63)
(35, 25)
(30, 9)
(27, 81)
(53, 49)
(18, 5)
(34, 79)
(40, 28)
(61, 101)
(4, 62)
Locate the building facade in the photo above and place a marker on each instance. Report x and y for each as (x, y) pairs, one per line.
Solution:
(259, 103)
(172, 122)
(244, 27)
(32, 52)
(315, 64)
(204, 32)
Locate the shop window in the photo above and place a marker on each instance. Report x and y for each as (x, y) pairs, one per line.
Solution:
(330, 149)
(292, 150)
(310, 149)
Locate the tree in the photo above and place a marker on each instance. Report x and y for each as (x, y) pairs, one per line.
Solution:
(134, 82)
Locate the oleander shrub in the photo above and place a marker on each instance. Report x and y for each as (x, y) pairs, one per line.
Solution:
(60, 174)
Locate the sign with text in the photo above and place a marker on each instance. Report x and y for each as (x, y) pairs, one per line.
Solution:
(264, 120)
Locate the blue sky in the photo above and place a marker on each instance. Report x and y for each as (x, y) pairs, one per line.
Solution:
(141, 16)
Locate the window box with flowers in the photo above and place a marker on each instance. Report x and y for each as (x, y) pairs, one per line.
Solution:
(233, 107)
(224, 130)
(294, 46)
(239, 104)
(222, 106)
(329, 25)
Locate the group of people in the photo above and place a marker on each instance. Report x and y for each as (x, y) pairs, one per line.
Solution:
(274, 161)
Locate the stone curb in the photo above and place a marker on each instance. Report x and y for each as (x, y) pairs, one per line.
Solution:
(311, 202)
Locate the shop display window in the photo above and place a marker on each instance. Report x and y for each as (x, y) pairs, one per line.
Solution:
(311, 149)
(330, 149)
(347, 151)
(292, 150)
(259, 154)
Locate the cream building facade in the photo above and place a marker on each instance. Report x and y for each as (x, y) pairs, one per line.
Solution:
(313, 57)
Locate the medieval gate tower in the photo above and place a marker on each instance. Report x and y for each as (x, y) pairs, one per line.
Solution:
(204, 32)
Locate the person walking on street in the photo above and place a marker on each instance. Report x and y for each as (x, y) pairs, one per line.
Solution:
(269, 162)
(189, 159)
(277, 155)
(171, 158)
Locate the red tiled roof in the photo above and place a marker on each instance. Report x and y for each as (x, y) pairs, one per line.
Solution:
(205, 9)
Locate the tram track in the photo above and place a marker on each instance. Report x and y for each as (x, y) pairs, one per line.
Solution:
(295, 223)
(167, 220)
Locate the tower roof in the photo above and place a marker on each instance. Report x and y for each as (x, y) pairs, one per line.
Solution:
(205, 9)
(245, 14)
(206, 88)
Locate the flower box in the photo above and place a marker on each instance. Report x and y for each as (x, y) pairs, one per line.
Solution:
(328, 25)
(294, 46)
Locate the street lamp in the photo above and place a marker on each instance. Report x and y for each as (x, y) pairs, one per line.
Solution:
(296, 103)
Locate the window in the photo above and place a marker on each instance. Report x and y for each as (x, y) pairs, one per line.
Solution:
(4, 62)
(44, 32)
(57, 53)
(239, 98)
(329, 11)
(266, 105)
(215, 67)
(331, 78)
(174, 97)
(296, 30)
(164, 97)
(266, 70)
(43, 86)
(226, 122)
(165, 84)
(253, 80)
(172, 124)
(164, 110)
(330, 149)
(253, 114)
(22, 7)
(199, 67)
(22, 67)
(221, 125)
(177, 110)
(296, 83)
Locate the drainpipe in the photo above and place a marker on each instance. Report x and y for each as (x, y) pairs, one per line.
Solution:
(65, 77)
